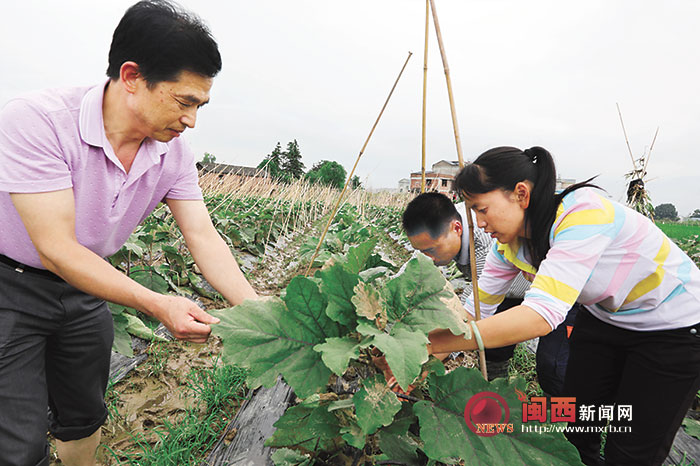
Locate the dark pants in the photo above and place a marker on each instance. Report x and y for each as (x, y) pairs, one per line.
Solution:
(506, 352)
(553, 355)
(656, 372)
(54, 351)
(552, 351)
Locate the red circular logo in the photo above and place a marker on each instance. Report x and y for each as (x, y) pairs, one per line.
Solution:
(484, 409)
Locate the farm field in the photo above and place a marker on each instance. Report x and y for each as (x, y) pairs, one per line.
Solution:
(174, 407)
(686, 235)
(679, 231)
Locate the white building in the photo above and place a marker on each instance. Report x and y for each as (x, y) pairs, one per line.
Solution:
(563, 183)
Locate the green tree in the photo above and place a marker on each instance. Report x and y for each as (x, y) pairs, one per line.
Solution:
(327, 172)
(666, 212)
(272, 163)
(355, 182)
(292, 165)
(696, 213)
(209, 158)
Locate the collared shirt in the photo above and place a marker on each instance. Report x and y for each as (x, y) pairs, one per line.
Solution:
(609, 258)
(482, 246)
(54, 140)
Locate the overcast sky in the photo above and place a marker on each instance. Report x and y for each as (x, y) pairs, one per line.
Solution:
(524, 73)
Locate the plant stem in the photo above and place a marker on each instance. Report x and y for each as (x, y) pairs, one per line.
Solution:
(407, 397)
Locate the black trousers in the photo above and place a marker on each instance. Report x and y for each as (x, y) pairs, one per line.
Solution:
(552, 351)
(55, 345)
(657, 373)
(552, 355)
(503, 353)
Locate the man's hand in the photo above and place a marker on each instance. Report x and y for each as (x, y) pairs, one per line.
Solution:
(185, 320)
(50, 222)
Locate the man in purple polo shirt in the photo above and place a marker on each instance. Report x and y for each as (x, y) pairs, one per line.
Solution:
(79, 170)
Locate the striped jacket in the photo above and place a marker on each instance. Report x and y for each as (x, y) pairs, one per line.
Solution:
(609, 258)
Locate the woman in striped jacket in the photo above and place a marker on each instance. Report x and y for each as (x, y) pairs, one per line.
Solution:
(635, 344)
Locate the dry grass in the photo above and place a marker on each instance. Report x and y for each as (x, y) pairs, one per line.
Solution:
(237, 187)
(323, 198)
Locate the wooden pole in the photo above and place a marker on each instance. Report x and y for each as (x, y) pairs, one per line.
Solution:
(347, 182)
(458, 141)
(646, 162)
(425, 85)
(470, 222)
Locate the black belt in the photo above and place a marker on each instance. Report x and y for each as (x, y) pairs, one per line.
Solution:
(21, 268)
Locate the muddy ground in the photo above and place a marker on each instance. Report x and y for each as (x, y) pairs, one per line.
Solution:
(157, 389)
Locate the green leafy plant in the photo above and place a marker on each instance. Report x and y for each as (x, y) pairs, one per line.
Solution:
(322, 335)
(692, 427)
(155, 255)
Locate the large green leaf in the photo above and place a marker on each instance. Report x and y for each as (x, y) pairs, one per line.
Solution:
(421, 299)
(310, 429)
(375, 404)
(354, 435)
(338, 285)
(447, 437)
(358, 256)
(287, 457)
(337, 353)
(148, 277)
(305, 301)
(266, 338)
(122, 340)
(405, 353)
(396, 442)
(415, 302)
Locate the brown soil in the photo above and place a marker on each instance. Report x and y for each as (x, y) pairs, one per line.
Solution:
(154, 391)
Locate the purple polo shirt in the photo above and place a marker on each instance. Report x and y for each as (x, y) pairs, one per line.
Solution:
(54, 140)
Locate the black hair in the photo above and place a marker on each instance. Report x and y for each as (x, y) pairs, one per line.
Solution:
(431, 212)
(503, 168)
(164, 40)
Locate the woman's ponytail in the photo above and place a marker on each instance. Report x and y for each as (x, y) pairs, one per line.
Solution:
(542, 209)
(503, 168)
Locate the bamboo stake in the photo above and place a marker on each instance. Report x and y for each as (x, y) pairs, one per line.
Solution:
(470, 222)
(646, 162)
(634, 164)
(425, 85)
(352, 172)
(458, 141)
